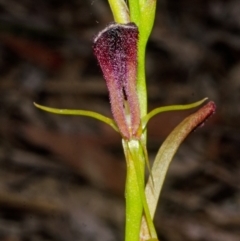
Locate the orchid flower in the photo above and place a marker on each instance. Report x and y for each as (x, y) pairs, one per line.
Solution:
(120, 51)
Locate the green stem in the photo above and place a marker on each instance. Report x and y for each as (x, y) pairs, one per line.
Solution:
(134, 206)
(136, 202)
(134, 11)
(141, 77)
(141, 84)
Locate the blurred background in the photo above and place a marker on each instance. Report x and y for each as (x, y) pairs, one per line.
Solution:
(61, 177)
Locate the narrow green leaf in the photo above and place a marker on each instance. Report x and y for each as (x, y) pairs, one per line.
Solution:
(92, 114)
(158, 110)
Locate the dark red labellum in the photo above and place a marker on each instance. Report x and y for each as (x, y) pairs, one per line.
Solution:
(116, 50)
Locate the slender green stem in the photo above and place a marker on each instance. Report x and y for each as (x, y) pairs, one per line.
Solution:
(136, 202)
(147, 13)
(145, 23)
(141, 77)
(134, 11)
(139, 157)
(141, 83)
(134, 206)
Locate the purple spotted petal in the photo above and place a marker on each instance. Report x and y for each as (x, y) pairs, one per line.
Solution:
(116, 50)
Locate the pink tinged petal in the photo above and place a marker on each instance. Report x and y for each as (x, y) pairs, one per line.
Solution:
(203, 114)
(116, 50)
(165, 156)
